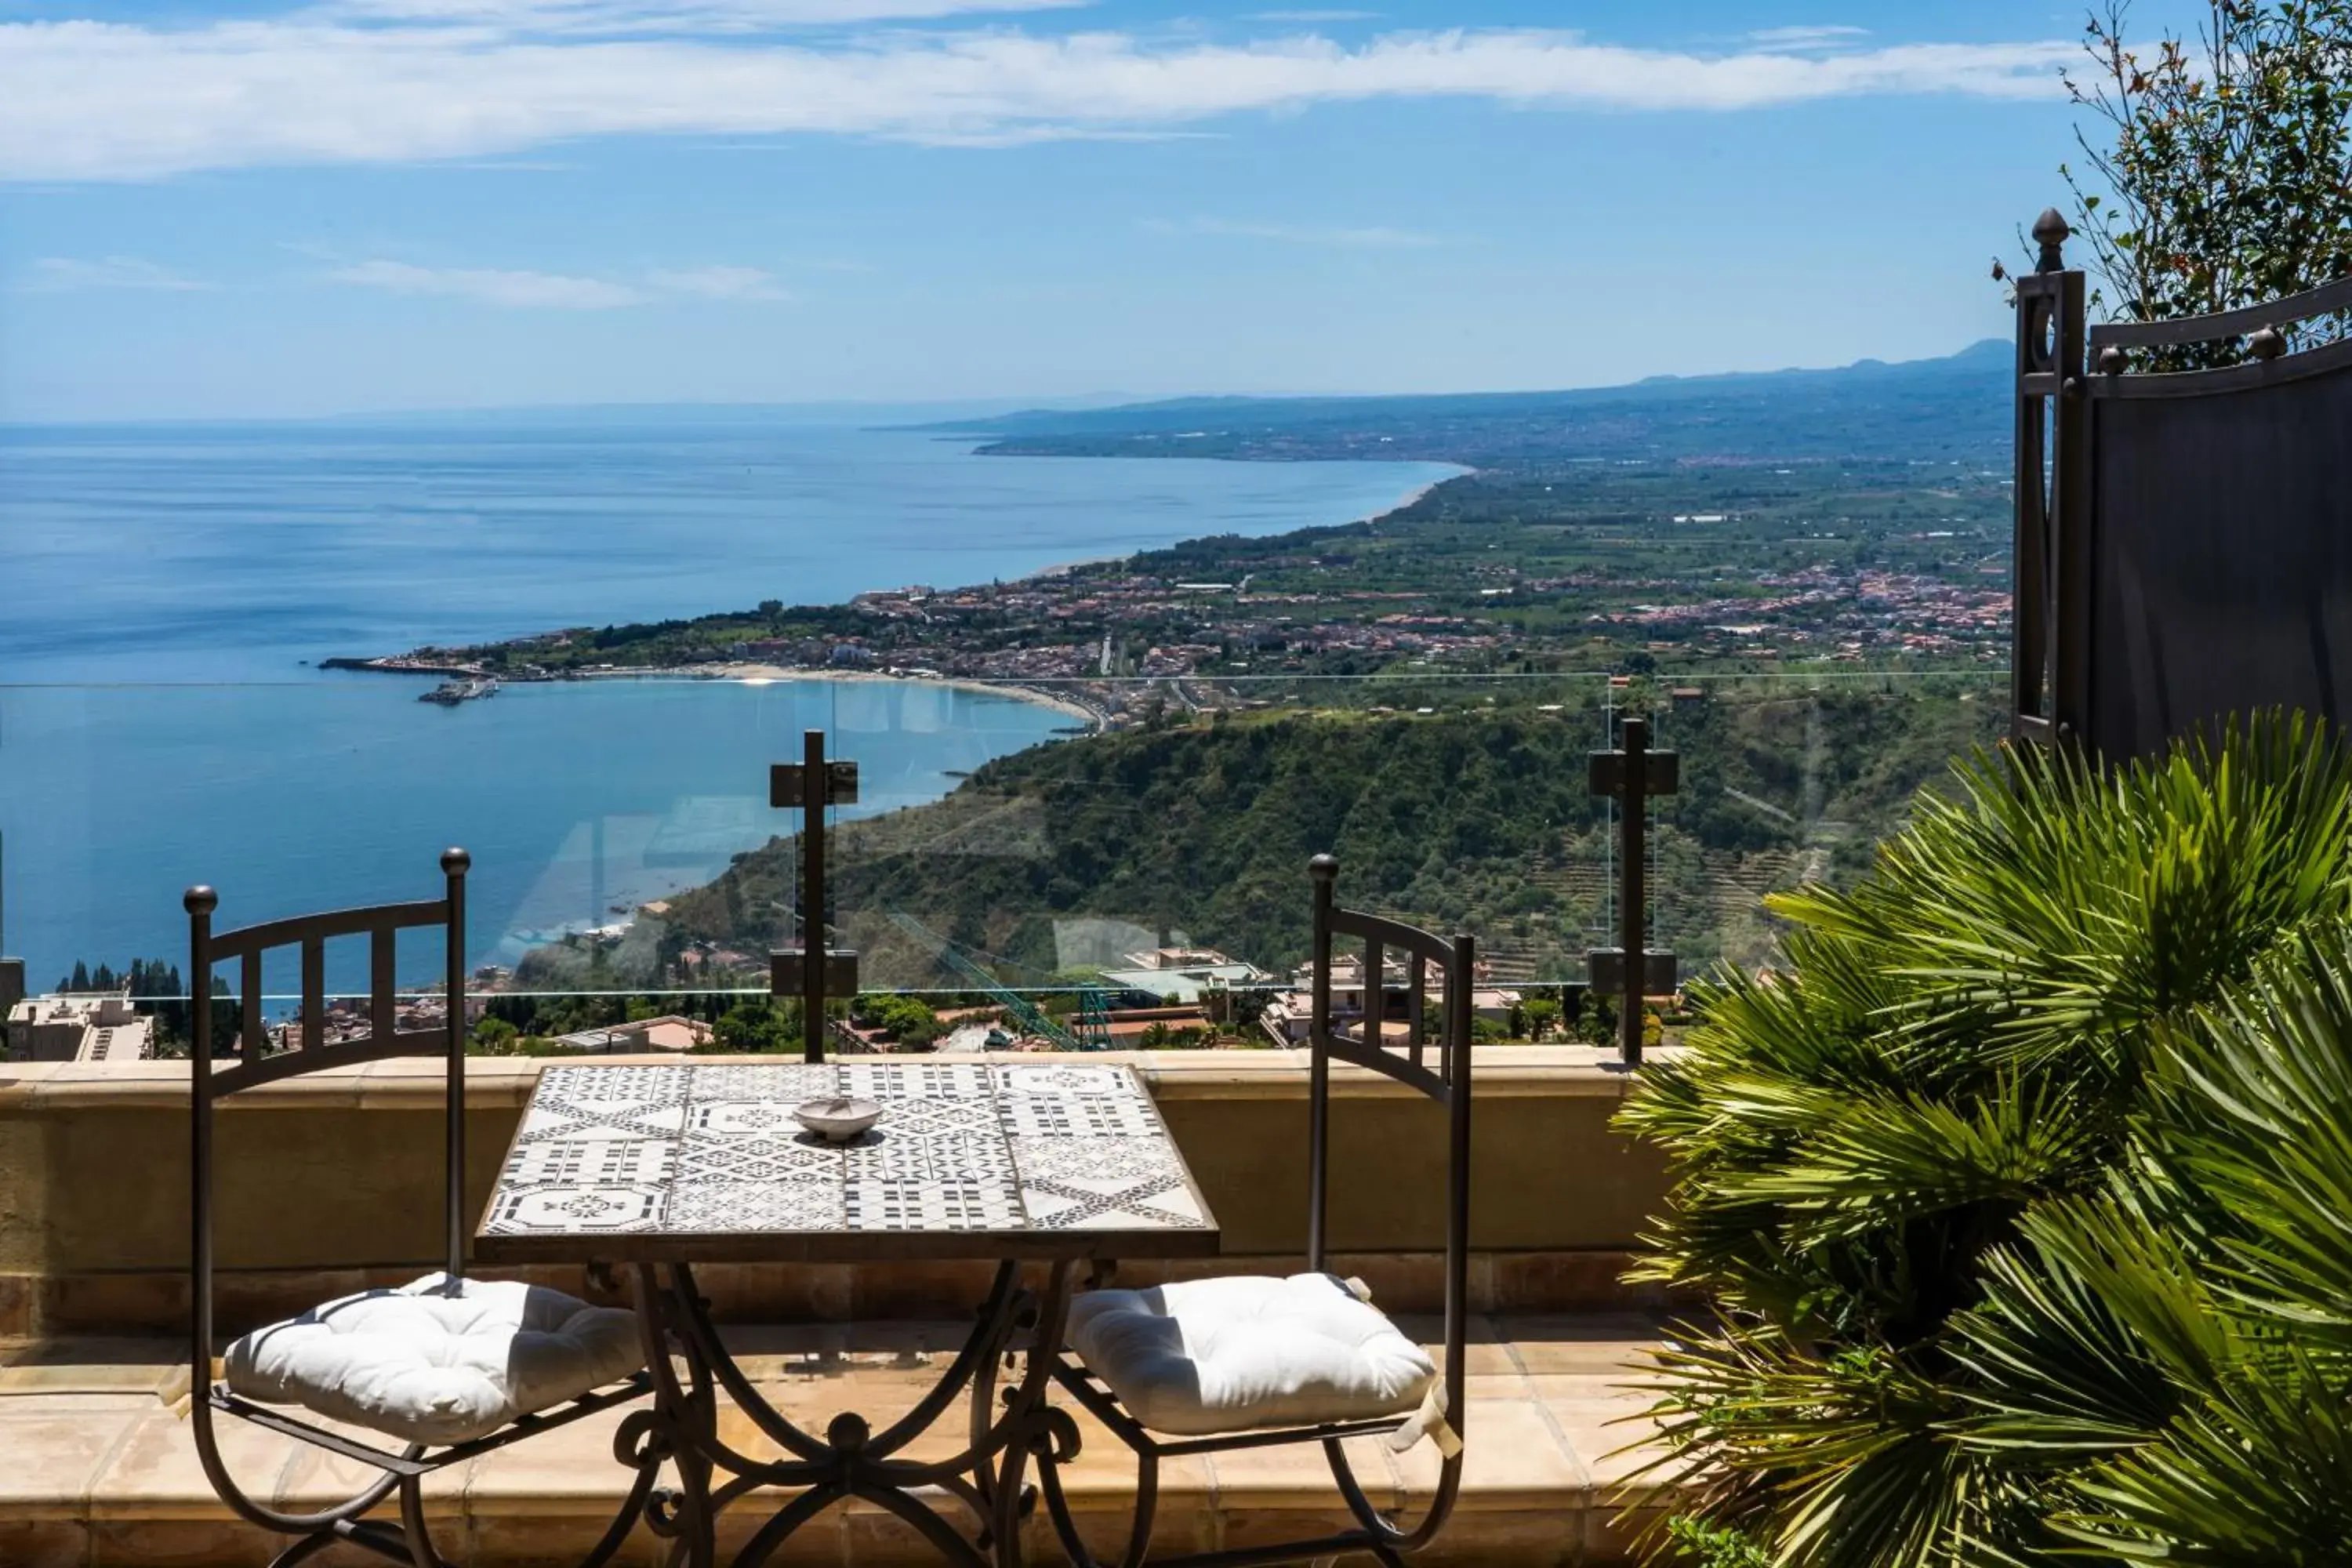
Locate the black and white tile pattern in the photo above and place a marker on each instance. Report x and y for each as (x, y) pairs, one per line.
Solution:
(710, 1148)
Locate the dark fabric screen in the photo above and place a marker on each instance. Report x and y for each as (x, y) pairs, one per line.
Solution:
(2223, 558)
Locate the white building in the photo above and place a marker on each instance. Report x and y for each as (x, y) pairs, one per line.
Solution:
(1288, 1016)
(671, 1033)
(1187, 973)
(79, 1026)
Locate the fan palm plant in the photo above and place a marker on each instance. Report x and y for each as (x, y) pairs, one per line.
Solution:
(2172, 1354)
(1954, 1183)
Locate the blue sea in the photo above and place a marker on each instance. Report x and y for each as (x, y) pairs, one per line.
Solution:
(167, 592)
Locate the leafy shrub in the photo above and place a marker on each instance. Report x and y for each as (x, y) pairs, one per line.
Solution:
(1989, 1186)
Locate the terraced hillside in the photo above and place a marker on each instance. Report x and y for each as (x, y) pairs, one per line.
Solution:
(1065, 858)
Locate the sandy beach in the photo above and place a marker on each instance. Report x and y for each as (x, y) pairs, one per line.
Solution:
(1020, 690)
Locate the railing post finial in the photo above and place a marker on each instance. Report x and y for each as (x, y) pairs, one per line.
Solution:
(2050, 232)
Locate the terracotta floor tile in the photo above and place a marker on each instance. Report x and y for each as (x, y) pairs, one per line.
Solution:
(1512, 1458)
(53, 1459)
(126, 1405)
(878, 1394)
(1597, 1342)
(1187, 1522)
(1247, 1528)
(568, 1471)
(1607, 1427)
(189, 1542)
(1531, 1538)
(51, 1544)
(1102, 1477)
(316, 1478)
(152, 1367)
(1545, 1393)
(811, 1348)
(534, 1540)
(154, 1472)
(1484, 1353)
(1296, 1476)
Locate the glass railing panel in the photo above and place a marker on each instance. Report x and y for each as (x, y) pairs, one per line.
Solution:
(1787, 780)
(1020, 857)
(585, 804)
(1159, 852)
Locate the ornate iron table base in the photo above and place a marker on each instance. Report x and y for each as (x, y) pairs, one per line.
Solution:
(852, 1459)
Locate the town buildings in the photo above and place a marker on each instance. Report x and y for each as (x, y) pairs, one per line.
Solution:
(79, 1026)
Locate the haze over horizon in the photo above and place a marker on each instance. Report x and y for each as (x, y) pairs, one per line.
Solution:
(253, 209)
(877, 412)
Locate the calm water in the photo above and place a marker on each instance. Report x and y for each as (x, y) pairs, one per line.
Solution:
(235, 552)
(160, 589)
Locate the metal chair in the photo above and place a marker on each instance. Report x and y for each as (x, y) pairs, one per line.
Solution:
(1154, 1391)
(256, 1360)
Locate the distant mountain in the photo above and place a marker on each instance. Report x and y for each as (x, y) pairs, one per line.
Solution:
(1957, 406)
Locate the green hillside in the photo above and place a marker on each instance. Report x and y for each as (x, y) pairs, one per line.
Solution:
(1067, 856)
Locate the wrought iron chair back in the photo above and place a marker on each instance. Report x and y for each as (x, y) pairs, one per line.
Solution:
(249, 1066)
(1445, 1080)
(210, 1082)
(1432, 1060)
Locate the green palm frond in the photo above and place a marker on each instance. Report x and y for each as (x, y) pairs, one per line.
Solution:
(2090, 1324)
(1869, 1165)
(2257, 1474)
(2029, 1192)
(2261, 1093)
(1833, 1461)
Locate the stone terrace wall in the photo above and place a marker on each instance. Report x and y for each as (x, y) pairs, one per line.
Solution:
(332, 1182)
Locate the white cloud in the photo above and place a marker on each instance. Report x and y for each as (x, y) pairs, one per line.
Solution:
(721, 283)
(1371, 238)
(58, 274)
(590, 18)
(102, 100)
(561, 291)
(1806, 37)
(525, 290)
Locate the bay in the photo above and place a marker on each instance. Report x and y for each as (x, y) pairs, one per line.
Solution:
(236, 552)
(160, 588)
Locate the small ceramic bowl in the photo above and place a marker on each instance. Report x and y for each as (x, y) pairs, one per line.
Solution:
(837, 1119)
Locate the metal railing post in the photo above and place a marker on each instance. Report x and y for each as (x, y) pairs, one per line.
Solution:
(2050, 577)
(813, 891)
(813, 968)
(1633, 970)
(455, 864)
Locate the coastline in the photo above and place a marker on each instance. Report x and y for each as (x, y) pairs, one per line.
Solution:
(753, 674)
(1413, 497)
(1034, 691)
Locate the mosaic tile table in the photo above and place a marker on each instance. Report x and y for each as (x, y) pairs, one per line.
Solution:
(666, 1167)
(703, 1162)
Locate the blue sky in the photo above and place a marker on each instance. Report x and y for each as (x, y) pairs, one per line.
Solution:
(262, 209)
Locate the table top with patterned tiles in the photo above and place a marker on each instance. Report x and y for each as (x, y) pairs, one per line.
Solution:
(702, 1162)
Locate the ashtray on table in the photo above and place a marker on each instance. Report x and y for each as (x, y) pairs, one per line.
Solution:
(838, 1118)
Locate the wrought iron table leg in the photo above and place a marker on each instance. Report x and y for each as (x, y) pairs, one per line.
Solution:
(851, 1460)
(1025, 1419)
(682, 1408)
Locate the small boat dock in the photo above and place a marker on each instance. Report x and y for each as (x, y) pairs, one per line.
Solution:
(450, 693)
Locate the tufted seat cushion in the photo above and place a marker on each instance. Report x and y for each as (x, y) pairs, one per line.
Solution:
(1229, 1355)
(416, 1364)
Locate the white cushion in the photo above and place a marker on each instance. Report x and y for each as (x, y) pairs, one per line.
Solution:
(1248, 1350)
(416, 1364)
